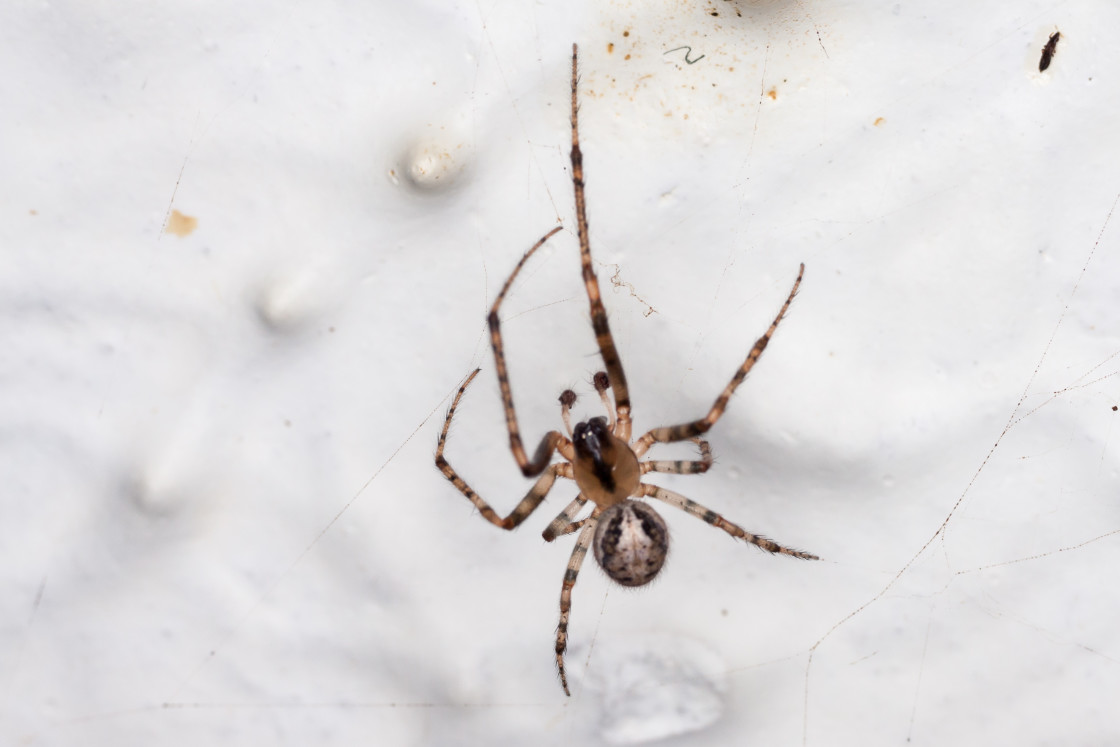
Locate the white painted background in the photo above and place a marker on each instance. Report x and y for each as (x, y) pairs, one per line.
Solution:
(185, 417)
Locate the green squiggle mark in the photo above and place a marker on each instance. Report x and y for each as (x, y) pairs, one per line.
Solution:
(688, 51)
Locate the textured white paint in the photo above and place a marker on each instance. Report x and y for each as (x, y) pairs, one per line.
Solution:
(186, 417)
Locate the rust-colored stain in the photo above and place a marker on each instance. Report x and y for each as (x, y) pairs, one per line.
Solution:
(610, 47)
(879, 121)
(181, 225)
(773, 94)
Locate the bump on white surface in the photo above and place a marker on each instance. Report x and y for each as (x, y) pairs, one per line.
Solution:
(652, 686)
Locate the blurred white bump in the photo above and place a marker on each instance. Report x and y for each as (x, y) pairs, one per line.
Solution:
(652, 686)
(290, 301)
(156, 493)
(434, 161)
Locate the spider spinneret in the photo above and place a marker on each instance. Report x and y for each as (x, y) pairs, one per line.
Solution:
(629, 539)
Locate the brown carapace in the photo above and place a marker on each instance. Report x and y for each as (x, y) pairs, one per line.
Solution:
(630, 540)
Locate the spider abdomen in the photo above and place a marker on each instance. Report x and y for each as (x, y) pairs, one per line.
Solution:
(631, 543)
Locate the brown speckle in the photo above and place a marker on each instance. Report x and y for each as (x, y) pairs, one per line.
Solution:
(181, 225)
(610, 48)
(773, 94)
(879, 121)
(626, 33)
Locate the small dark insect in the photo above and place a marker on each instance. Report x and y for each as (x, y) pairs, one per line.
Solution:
(1048, 51)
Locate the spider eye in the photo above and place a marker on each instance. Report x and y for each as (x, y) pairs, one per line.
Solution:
(631, 543)
(590, 437)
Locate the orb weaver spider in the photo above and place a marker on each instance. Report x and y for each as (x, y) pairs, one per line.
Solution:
(629, 539)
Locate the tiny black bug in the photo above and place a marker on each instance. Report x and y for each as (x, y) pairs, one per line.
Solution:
(1048, 51)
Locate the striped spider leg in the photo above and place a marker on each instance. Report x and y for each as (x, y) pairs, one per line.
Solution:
(627, 536)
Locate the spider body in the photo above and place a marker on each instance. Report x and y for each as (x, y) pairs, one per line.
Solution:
(629, 538)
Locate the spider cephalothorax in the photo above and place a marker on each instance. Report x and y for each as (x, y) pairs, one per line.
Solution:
(606, 469)
(629, 539)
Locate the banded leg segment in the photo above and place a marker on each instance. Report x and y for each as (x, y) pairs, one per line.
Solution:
(682, 467)
(570, 576)
(692, 507)
(531, 500)
(598, 313)
(565, 522)
(553, 440)
(681, 432)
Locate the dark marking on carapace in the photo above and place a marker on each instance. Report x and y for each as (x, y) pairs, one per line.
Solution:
(1048, 51)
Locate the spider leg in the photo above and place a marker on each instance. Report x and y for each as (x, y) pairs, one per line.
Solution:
(553, 440)
(565, 523)
(598, 313)
(694, 508)
(570, 575)
(531, 500)
(671, 433)
(679, 467)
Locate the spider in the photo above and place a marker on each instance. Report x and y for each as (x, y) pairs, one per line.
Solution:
(629, 539)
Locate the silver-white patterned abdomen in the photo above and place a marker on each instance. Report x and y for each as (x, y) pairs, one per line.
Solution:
(631, 542)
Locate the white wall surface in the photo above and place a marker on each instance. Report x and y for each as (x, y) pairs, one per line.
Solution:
(220, 520)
